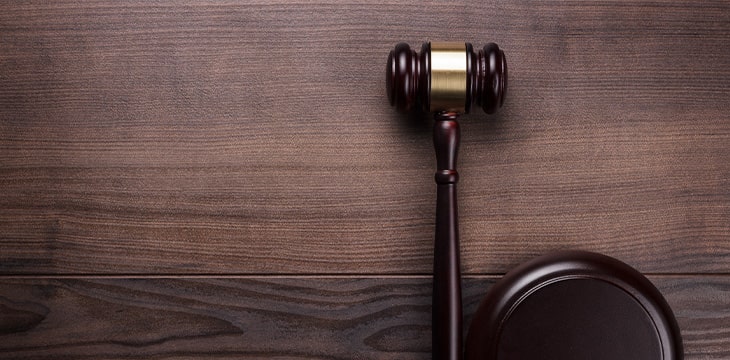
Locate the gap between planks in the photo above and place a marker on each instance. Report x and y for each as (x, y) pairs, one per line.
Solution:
(305, 276)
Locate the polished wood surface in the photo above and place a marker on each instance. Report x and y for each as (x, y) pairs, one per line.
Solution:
(253, 143)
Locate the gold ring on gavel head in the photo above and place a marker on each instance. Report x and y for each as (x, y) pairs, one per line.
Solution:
(448, 77)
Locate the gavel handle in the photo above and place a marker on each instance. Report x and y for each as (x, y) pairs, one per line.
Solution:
(446, 332)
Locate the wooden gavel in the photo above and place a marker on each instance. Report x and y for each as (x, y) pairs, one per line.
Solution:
(446, 79)
(565, 305)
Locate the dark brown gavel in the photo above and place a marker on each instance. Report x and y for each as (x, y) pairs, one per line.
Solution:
(566, 305)
(446, 79)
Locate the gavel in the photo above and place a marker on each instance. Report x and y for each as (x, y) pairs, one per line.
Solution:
(565, 305)
(446, 79)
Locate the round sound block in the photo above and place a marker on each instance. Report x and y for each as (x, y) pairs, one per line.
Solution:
(574, 305)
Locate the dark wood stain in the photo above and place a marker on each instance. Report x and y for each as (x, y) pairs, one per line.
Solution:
(255, 140)
(311, 318)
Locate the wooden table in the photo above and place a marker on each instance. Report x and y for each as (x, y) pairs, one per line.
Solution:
(184, 179)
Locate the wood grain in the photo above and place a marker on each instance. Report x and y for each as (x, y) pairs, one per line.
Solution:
(160, 143)
(286, 318)
(255, 137)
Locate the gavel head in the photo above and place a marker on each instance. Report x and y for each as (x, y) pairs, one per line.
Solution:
(446, 77)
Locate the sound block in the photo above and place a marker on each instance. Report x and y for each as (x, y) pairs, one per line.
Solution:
(574, 305)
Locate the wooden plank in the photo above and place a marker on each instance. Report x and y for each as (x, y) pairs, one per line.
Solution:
(236, 137)
(277, 318)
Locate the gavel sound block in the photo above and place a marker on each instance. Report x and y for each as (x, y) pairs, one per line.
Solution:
(566, 305)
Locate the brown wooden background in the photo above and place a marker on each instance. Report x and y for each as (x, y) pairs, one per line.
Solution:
(226, 179)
